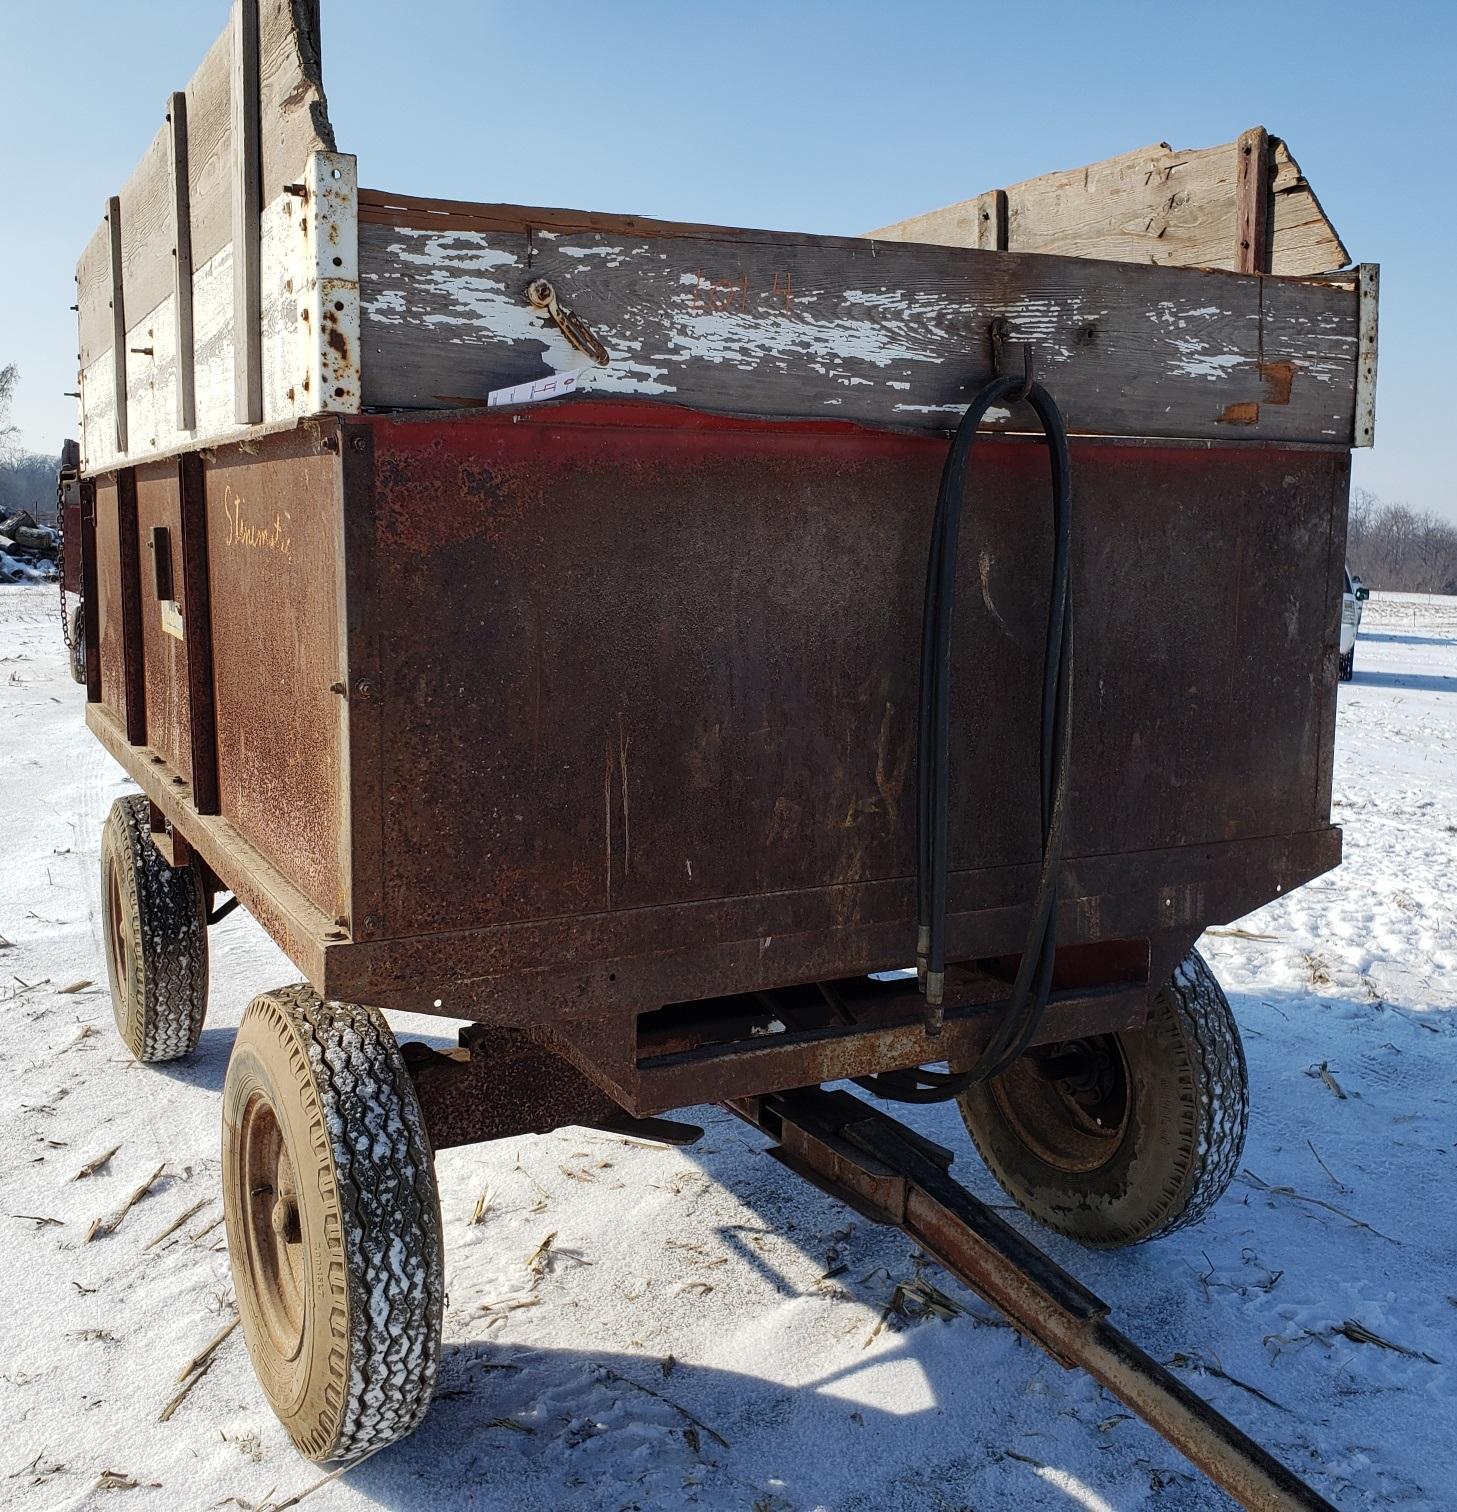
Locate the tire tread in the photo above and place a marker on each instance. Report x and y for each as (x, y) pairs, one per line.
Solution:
(160, 1012)
(393, 1282)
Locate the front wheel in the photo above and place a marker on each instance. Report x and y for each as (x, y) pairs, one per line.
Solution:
(1120, 1138)
(333, 1222)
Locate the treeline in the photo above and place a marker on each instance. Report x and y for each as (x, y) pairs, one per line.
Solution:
(28, 482)
(1396, 547)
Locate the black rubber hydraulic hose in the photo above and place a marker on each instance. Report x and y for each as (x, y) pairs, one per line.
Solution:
(1033, 981)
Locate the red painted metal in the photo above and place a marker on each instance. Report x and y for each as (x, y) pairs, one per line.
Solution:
(558, 717)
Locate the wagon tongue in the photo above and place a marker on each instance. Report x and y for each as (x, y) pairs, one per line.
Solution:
(893, 1175)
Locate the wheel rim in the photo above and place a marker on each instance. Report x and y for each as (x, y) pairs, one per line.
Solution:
(273, 1240)
(1069, 1103)
(118, 944)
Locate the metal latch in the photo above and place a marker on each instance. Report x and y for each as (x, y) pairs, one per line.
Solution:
(541, 295)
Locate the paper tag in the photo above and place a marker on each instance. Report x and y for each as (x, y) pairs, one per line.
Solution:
(171, 617)
(541, 388)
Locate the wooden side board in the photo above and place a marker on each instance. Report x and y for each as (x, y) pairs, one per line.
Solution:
(241, 282)
(1154, 205)
(159, 345)
(890, 334)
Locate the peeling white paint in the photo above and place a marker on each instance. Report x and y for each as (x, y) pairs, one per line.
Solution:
(689, 321)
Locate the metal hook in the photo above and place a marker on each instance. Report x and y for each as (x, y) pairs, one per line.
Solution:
(541, 295)
(998, 332)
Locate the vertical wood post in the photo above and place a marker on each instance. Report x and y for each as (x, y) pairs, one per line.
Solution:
(90, 616)
(1254, 190)
(247, 211)
(197, 633)
(133, 664)
(182, 259)
(991, 220)
(118, 320)
(1368, 289)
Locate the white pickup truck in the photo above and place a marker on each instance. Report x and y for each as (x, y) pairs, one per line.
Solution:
(1352, 601)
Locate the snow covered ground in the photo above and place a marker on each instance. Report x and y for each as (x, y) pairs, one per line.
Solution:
(703, 1330)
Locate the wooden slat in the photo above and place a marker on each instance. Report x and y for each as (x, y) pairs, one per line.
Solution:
(118, 320)
(197, 632)
(247, 210)
(133, 662)
(1254, 243)
(93, 297)
(1152, 205)
(210, 150)
(295, 123)
(885, 334)
(146, 218)
(291, 93)
(182, 261)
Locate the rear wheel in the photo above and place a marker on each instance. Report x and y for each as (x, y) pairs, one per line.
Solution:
(1120, 1138)
(333, 1222)
(154, 918)
(1348, 665)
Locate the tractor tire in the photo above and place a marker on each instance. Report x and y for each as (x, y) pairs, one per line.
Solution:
(154, 918)
(1125, 1137)
(333, 1222)
(1348, 665)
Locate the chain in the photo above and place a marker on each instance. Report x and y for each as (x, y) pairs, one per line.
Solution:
(61, 557)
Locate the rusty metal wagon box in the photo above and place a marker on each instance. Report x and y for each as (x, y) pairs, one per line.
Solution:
(518, 610)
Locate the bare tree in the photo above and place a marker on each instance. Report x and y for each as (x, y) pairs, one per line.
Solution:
(9, 376)
(1396, 547)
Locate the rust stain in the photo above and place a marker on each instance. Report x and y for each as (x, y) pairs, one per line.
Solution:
(1278, 377)
(1240, 414)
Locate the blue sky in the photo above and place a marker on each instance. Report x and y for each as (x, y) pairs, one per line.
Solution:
(812, 117)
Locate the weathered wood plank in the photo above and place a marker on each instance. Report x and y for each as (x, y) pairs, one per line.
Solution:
(146, 221)
(247, 217)
(295, 119)
(885, 334)
(93, 297)
(210, 149)
(186, 386)
(294, 124)
(1152, 205)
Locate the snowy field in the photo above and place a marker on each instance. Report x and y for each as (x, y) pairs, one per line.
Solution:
(703, 1328)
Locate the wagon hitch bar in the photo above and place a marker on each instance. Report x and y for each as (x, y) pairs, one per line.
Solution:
(892, 1175)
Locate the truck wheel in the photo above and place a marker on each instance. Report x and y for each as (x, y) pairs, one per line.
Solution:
(154, 918)
(1348, 665)
(333, 1222)
(1122, 1137)
(78, 644)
